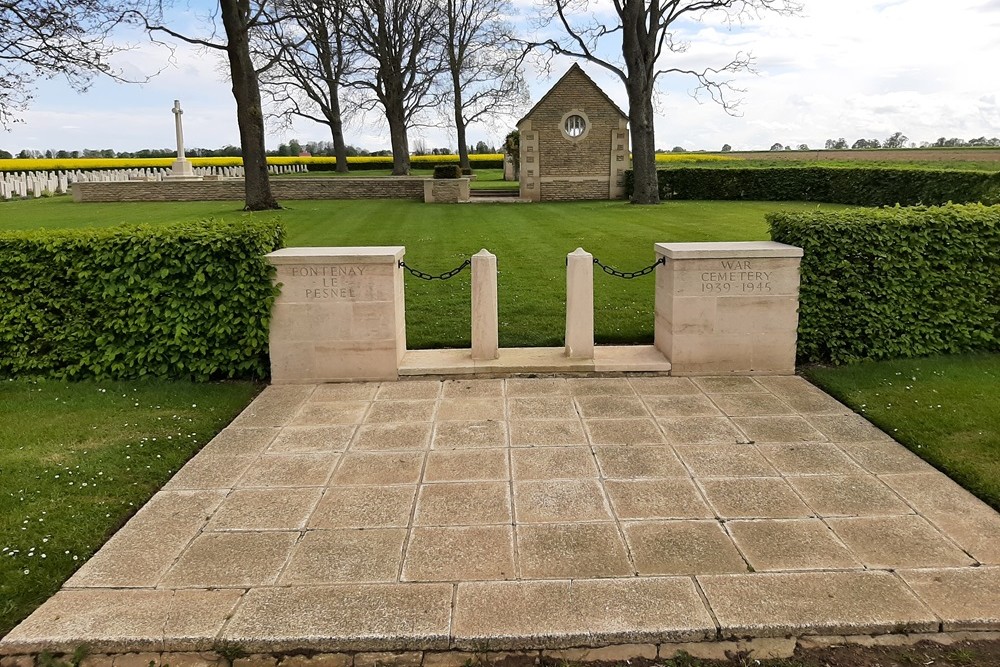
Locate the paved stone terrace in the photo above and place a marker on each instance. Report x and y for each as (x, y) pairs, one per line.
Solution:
(535, 513)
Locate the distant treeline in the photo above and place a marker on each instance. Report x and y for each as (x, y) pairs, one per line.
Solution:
(325, 149)
(291, 149)
(895, 141)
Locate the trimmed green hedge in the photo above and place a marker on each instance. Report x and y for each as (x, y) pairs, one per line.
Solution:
(895, 282)
(860, 186)
(189, 300)
(447, 171)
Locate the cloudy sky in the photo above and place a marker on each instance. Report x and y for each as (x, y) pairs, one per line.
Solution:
(840, 68)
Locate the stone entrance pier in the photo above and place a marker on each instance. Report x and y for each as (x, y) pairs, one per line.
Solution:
(340, 314)
(728, 308)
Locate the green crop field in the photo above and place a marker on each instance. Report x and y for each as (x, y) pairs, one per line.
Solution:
(983, 159)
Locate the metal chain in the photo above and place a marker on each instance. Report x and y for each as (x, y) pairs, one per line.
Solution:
(444, 276)
(628, 275)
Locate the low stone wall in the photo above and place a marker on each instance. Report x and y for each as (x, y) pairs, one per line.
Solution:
(570, 189)
(283, 188)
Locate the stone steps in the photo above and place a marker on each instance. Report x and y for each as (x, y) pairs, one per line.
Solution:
(530, 360)
(497, 193)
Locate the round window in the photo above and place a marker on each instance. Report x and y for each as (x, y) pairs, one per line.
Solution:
(574, 126)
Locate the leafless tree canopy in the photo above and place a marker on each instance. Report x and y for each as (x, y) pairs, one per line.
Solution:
(401, 57)
(644, 33)
(313, 58)
(484, 65)
(46, 38)
(400, 41)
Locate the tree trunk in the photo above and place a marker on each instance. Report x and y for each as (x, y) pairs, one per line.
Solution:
(333, 78)
(639, 47)
(640, 116)
(396, 118)
(463, 147)
(337, 129)
(249, 114)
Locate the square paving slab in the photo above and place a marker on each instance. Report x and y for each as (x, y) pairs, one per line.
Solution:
(534, 513)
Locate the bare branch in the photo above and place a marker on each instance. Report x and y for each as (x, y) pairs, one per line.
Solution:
(399, 41)
(717, 88)
(184, 38)
(46, 38)
(484, 64)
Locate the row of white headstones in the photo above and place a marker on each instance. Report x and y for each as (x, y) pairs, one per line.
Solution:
(27, 184)
(21, 185)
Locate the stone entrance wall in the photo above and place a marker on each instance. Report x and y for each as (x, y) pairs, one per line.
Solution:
(728, 308)
(721, 309)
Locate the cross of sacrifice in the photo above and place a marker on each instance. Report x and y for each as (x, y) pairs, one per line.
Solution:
(179, 129)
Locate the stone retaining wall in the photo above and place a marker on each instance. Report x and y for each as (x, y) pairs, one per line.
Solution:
(284, 188)
(759, 648)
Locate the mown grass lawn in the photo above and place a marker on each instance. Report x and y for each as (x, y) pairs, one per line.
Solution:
(530, 241)
(945, 409)
(77, 459)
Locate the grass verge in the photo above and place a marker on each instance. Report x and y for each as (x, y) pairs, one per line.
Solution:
(77, 459)
(942, 408)
(529, 240)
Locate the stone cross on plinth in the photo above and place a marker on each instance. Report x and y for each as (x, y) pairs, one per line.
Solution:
(179, 127)
(181, 168)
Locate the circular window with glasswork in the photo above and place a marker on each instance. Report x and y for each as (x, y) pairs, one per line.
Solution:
(575, 125)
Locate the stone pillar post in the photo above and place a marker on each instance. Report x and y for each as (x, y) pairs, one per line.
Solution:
(580, 305)
(728, 307)
(340, 315)
(485, 321)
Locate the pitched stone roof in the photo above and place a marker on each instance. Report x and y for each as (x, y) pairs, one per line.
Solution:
(575, 68)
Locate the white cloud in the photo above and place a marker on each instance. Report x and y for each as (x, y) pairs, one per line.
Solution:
(840, 69)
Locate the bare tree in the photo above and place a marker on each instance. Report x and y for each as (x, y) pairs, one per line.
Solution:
(312, 60)
(400, 40)
(239, 19)
(47, 38)
(647, 34)
(484, 62)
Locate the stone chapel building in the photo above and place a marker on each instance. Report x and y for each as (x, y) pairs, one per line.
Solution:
(574, 143)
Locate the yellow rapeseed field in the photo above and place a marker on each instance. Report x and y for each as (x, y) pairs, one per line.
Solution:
(71, 164)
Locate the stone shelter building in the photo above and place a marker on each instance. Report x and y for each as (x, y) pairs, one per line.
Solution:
(574, 143)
